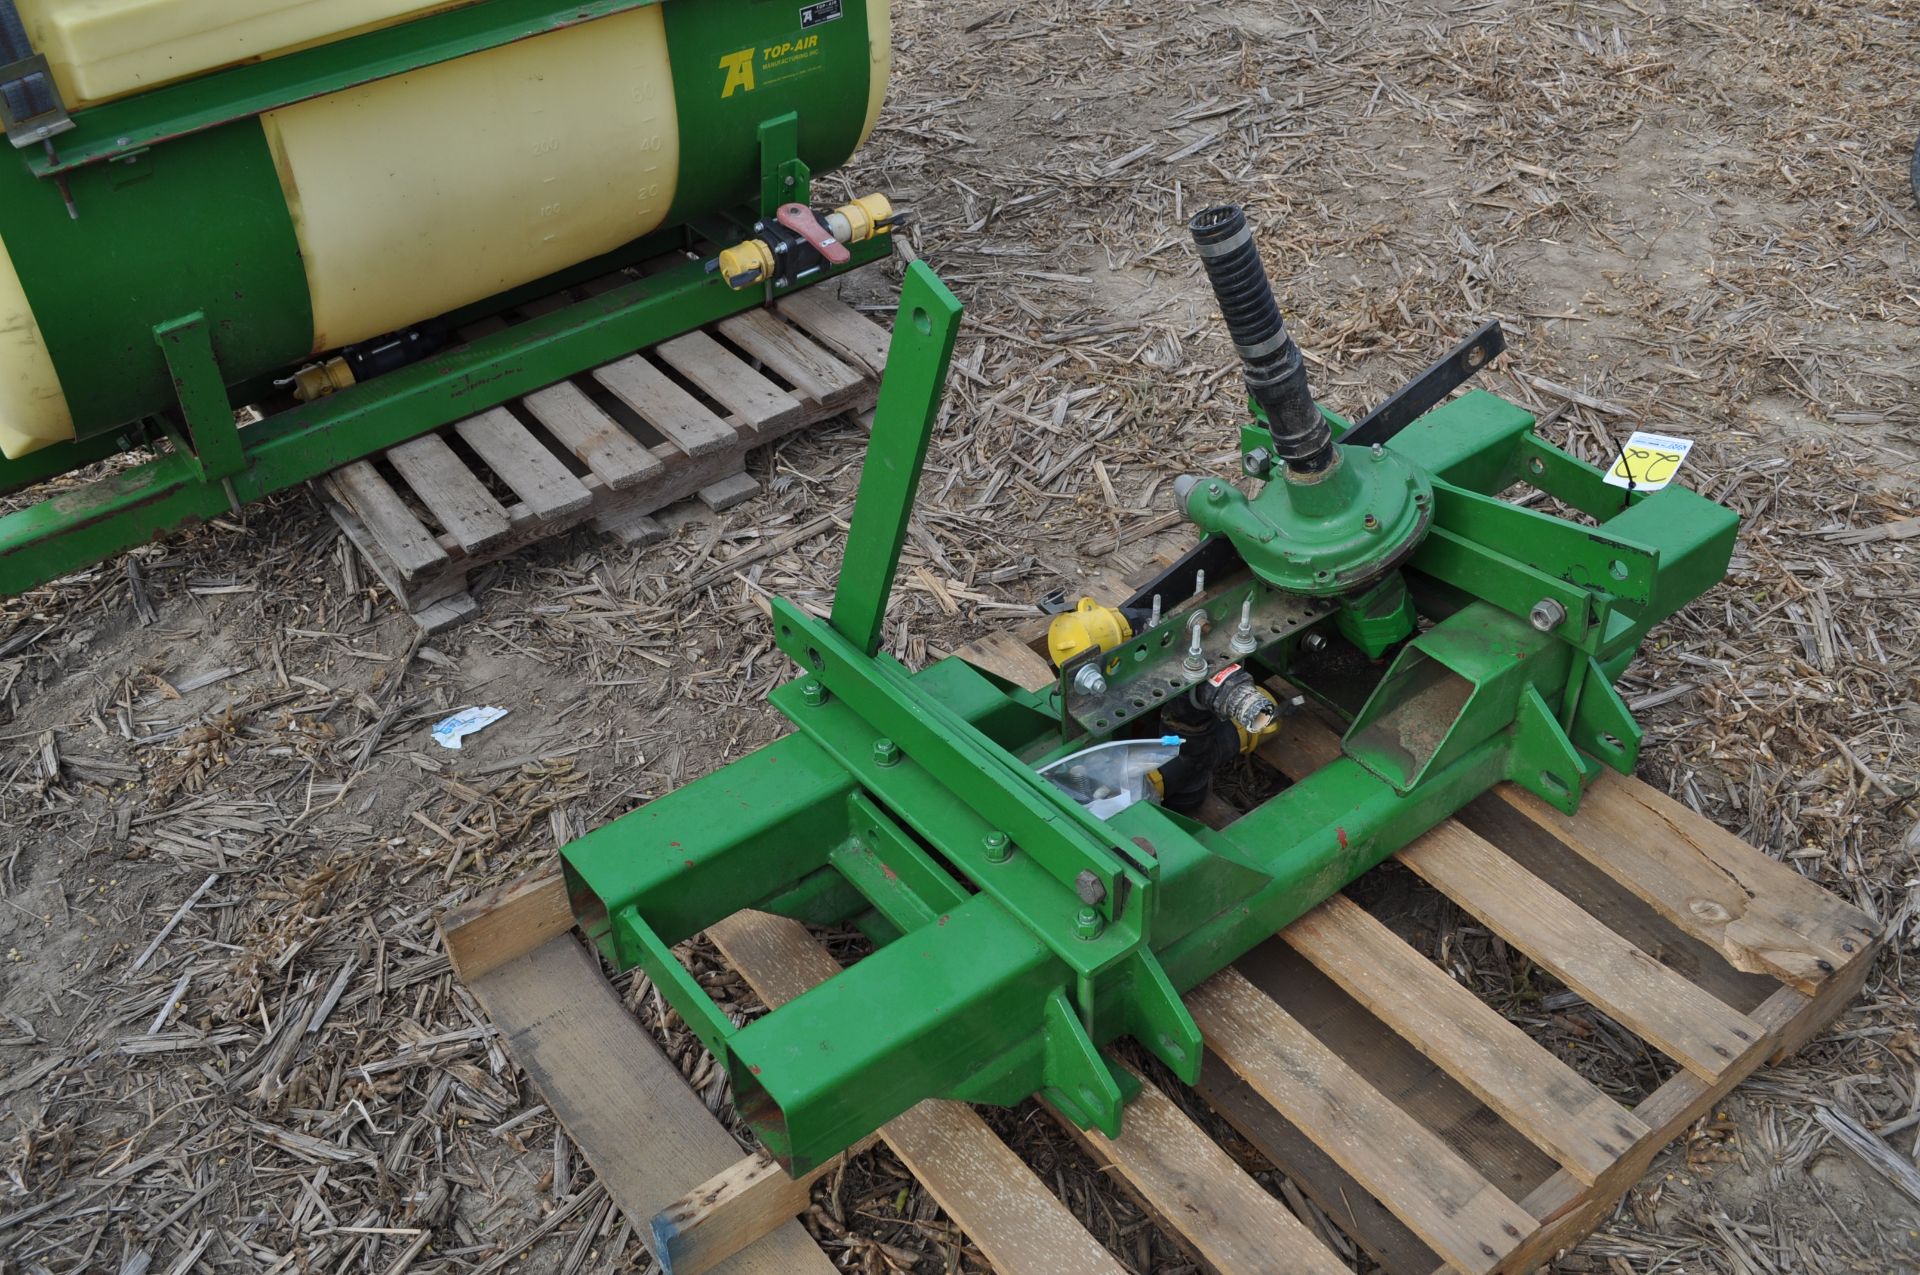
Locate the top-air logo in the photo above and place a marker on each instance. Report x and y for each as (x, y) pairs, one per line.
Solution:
(739, 69)
(820, 11)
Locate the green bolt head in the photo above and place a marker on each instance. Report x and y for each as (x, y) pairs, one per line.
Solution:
(1087, 923)
(999, 847)
(886, 752)
(813, 694)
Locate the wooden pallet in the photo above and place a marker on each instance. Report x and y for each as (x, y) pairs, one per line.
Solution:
(610, 447)
(1431, 1132)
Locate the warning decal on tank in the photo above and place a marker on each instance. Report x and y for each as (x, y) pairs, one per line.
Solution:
(1649, 461)
(813, 15)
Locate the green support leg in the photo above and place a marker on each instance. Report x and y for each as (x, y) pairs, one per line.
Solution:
(925, 327)
(202, 393)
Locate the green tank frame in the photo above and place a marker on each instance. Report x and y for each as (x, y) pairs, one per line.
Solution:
(1017, 935)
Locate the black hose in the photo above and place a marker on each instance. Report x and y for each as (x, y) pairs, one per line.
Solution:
(1276, 376)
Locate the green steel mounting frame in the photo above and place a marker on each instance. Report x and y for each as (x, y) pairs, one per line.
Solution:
(1016, 936)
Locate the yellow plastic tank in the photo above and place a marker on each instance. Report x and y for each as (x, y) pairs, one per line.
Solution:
(102, 49)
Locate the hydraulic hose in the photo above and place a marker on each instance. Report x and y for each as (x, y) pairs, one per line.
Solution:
(1276, 377)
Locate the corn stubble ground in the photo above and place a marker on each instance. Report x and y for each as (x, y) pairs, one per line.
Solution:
(1692, 217)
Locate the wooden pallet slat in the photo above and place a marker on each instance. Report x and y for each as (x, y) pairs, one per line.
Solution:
(735, 1207)
(412, 547)
(1425, 1182)
(678, 415)
(839, 327)
(729, 382)
(448, 488)
(524, 464)
(1196, 1191)
(1562, 1112)
(1364, 1219)
(608, 1083)
(1760, 914)
(1701, 1033)
(595, 439)
(794, 358)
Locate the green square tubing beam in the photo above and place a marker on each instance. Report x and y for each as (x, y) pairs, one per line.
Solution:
(81, 526)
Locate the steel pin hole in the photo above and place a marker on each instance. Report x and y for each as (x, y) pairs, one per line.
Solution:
(922, 321)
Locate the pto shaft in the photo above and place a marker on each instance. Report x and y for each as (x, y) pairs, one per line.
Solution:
(1275, 375)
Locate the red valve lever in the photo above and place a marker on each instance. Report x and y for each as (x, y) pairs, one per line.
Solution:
(800, 219)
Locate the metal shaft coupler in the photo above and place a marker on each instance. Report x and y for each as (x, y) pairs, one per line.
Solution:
(1275, 375)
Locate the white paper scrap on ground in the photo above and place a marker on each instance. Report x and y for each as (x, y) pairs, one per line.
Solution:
(1649, 461)
(452, 730)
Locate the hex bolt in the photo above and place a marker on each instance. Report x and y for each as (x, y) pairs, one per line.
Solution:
(1199, 583)
(1314, 641)
(1378, 451)
(1196, 661)
(886, 752)
(1087, 923)
(1256, 462)
(999, 847)
(1547, 615)
(813, 694)
(1153, 618)
(1243, 643)
(1088, 680)
(1089, 887)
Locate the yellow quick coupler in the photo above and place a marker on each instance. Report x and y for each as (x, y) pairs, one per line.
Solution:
(1086, 626)
(746, 263)
(317, 380)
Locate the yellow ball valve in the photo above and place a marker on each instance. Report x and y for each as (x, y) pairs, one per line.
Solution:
(795, 244)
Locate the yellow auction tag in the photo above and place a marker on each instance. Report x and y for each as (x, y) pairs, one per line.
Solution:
(1649, 461)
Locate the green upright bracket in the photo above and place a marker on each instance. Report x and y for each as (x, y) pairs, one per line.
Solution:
(784, 177)
(917, 359)
(203, 396)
